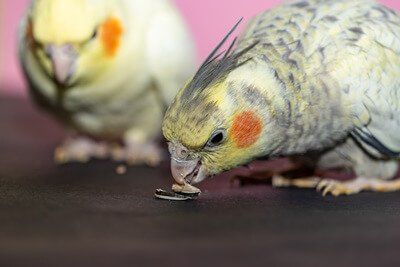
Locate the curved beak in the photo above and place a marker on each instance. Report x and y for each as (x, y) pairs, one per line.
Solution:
(63, 59)
(186, 168)
(183, 169)
(187, 171)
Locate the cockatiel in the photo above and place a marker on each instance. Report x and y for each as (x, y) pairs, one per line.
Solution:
(108, 69)
(317, 79)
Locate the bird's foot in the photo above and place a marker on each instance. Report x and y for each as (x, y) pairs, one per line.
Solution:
(279, 178)
(337, 188)
(281, 181)
(135, 154)
(79, 149)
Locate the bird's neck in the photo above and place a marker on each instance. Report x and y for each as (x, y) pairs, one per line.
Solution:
(315, 113)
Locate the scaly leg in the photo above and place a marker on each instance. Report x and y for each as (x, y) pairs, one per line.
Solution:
(357, 185)
(337, 188)
(138, 148)
(280, 181)
(79, 149)
(372, 174)
(278, 175)
(148, 153)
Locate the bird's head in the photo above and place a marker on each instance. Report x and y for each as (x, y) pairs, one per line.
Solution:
(208, 128)
(75, 40)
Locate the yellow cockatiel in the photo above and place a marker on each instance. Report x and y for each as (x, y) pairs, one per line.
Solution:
(317, 80)
(107, 69)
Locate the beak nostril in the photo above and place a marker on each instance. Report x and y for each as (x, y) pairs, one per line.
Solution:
(182, 153)
(178, 151)
(68, 48)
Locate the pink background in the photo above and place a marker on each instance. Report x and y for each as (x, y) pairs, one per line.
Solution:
(208, 20)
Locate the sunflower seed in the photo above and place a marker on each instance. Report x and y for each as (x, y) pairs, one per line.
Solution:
(186, 189)
(162, 194)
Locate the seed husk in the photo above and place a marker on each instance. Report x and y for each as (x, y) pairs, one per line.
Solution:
(162, 194)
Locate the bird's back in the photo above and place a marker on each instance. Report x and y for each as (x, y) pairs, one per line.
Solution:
(354, 43)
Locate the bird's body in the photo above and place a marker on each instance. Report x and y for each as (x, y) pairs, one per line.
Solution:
(312, 77)
(336, 56)
(131, 57)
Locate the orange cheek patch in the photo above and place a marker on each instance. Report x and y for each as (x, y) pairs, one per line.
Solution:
(110, 35)
(246, 129)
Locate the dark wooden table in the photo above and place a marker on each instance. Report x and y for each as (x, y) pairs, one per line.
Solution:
(87, 215)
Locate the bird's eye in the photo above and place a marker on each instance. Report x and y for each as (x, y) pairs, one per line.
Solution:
(94, 35)
(216, 138)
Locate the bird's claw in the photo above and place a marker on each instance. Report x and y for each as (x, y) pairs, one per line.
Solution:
(337, 188)
(79, 150)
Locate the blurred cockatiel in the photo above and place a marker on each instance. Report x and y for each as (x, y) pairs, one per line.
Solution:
(108, 69)
(315, 78)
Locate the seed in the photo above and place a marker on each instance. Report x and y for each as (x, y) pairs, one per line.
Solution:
(121, 169)
(162, 194)
(186, 189)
